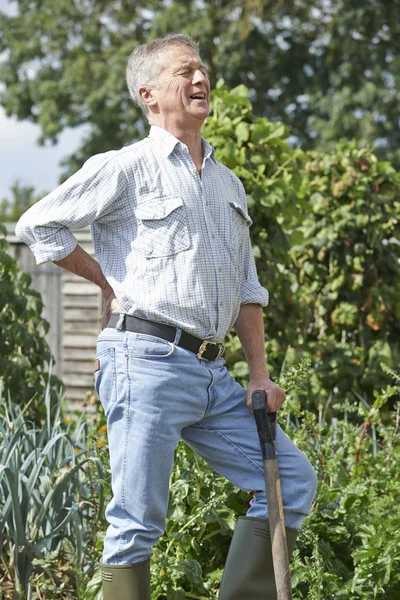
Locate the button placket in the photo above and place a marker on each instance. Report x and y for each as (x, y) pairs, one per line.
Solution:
(213, 239)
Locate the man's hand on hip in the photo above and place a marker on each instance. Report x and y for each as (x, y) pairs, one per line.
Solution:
(81, 263)
(110, 303)
(275, 395)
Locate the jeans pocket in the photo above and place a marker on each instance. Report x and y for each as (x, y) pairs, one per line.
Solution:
(106, 378)
(150, 347)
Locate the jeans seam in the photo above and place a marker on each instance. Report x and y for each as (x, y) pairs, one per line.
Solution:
(127, 427)
(226, 438)
(150, 338)
(211, 401)
(113, 388)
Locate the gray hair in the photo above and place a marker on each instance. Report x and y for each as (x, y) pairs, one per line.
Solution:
(145, 63)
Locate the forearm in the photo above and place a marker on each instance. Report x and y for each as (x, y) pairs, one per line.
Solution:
(250, 328)
(81, 263)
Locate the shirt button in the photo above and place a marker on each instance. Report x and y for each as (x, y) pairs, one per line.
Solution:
(213, 236)
(220, 269)
(207, 203)
(221, 303)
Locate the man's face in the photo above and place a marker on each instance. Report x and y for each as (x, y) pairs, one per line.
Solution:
(183, 89)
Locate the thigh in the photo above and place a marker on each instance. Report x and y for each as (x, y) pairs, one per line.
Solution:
(133, 385)
(227, 437)
(228, 440)
(144, 385)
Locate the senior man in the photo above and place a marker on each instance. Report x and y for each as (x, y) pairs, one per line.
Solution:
(171, 233)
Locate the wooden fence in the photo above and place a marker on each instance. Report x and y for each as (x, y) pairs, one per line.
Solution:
(72, 306)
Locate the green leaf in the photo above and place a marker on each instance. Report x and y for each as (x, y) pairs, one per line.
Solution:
(261, 132)
(242, 132)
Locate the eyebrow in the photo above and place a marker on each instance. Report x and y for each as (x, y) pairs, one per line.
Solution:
(191, 65)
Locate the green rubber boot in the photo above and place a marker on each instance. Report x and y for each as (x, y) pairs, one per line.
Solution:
(249, 572)
(126, 582)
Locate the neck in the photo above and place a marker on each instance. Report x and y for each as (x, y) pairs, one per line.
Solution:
(192, 138)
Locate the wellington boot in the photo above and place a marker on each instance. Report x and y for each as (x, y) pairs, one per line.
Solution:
(126, 582)
(249, 572)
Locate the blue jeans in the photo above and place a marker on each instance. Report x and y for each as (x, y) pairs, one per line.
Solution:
(155, 393)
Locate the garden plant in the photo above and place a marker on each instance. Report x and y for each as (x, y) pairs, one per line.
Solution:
(326, 241)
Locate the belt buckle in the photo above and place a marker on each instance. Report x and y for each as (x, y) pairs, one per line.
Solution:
(203, 349)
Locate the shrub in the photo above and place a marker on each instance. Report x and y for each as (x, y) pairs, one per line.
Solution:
(347, 269)
(24, 353)
(348, 547)
(326, 241)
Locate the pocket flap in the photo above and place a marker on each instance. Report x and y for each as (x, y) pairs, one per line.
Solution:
(239, 209)
(158, 208)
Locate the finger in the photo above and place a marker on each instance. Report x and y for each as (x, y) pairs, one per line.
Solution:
(273, 403)
(248, 400)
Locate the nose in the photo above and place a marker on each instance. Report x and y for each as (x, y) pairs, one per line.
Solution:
(199, 77)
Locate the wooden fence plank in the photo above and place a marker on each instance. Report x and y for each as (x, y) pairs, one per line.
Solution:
(72, 301)
(72, 306)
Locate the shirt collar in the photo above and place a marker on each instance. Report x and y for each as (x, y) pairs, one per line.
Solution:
(169, 142)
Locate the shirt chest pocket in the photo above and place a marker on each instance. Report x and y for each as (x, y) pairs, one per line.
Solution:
(241, 222)
(163, 229)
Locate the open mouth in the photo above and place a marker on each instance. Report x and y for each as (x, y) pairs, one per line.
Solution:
(198, 96)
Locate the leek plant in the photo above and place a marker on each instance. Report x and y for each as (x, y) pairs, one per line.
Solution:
(47, 490)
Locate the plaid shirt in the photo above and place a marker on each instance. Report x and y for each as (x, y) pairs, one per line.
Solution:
(173, 245)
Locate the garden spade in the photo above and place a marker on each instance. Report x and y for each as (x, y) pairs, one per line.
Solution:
(266, 427)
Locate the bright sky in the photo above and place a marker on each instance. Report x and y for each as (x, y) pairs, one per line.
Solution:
(22, 159)
(20, 156)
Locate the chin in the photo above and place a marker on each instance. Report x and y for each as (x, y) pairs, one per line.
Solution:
(202, 114)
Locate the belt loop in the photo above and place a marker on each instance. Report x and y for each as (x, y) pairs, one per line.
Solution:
(177, 336)
(120, 323)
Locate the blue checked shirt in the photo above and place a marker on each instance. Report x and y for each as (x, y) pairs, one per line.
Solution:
(173, 245)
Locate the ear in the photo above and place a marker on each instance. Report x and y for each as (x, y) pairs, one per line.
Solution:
(146, 94)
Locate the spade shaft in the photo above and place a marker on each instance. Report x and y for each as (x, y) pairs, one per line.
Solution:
(266, 427)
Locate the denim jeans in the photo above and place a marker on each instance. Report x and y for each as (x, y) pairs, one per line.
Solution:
(155, 393)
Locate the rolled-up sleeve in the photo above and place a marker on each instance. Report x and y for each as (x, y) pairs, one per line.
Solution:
(95, 192)
(251, 291)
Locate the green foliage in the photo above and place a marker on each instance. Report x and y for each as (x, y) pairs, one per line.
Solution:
(22, 197)
(47, 490)
(348, 547)
(326, 240)
(200, 521)
(257, 151)
(53, 495)
(271, 172)
(24, 353)
(348, 271)
(327, 69)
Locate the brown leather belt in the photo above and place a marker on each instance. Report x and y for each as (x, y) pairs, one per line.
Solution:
(203, 349)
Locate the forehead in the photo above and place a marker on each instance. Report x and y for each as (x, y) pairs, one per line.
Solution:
(179, 56)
